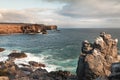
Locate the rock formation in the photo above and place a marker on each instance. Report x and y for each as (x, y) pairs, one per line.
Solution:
(96, 58)
(2, 49)
(115, 72)
(16, 54)
(10, 28)
(51, 27)
(32, 71)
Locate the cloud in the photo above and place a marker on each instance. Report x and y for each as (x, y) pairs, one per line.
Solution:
(90, 8)
(13, 16)
(91, 13)
(75, 13)
(30, 15)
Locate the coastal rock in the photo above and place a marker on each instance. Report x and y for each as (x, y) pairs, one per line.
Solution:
(115, 71)
(39, 74)
(11, 71)
(2, 49)
(27, 28)
(4, 78)
(16, 54)
(36, 64)
(8, 68)
(51, 27)
(96, 58)
(60, 75)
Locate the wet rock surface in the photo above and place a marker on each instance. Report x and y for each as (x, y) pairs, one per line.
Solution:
(16, 54)
(2, 49)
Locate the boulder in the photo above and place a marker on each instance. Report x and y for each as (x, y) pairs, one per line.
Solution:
(60, 75)
(8, 68)
(39, 74)
(16, 54)
(2, 49)
(36, 64)
(96, 58)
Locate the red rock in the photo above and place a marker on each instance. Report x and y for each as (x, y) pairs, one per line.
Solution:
(10, 28)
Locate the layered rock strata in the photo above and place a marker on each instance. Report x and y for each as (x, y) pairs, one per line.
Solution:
(10, 28)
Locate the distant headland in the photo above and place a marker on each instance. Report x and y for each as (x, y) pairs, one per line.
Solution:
(28, 28)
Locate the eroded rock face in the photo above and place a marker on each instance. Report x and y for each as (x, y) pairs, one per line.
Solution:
(28, 28)
(96, 58)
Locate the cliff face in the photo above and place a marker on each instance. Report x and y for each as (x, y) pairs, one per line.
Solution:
(96, 58)
(9, 28)
(51, 27)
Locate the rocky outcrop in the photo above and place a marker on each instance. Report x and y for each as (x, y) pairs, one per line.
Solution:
(10, 28)
(36, 64)
(32, 71)
(96, 58)
(51, 27)
(2, 49)
(16, 54)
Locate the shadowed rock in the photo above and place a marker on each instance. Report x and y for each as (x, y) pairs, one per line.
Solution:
(2, 49)
(115, 71)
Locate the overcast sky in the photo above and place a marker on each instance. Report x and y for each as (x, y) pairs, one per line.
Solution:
(64, 13)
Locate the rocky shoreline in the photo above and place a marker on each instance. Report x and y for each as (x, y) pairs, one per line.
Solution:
(98, 61)
(32, 71)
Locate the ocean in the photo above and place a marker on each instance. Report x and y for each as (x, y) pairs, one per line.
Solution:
(59, 50)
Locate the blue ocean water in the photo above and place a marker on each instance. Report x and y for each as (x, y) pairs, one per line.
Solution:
(59, 50)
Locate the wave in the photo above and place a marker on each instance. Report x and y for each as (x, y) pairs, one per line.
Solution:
(52, 64)
(30, 57)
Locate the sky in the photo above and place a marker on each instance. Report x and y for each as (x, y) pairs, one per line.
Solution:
(63, 13)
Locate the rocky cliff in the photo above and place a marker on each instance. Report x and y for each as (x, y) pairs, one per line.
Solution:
(10, 28)
(97, 60)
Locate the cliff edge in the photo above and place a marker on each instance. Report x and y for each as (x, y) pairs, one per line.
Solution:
(99, 59)
(10, 28)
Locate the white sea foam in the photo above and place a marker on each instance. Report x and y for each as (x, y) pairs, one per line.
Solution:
(3, 55)
(32, 57)
(37, 58)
